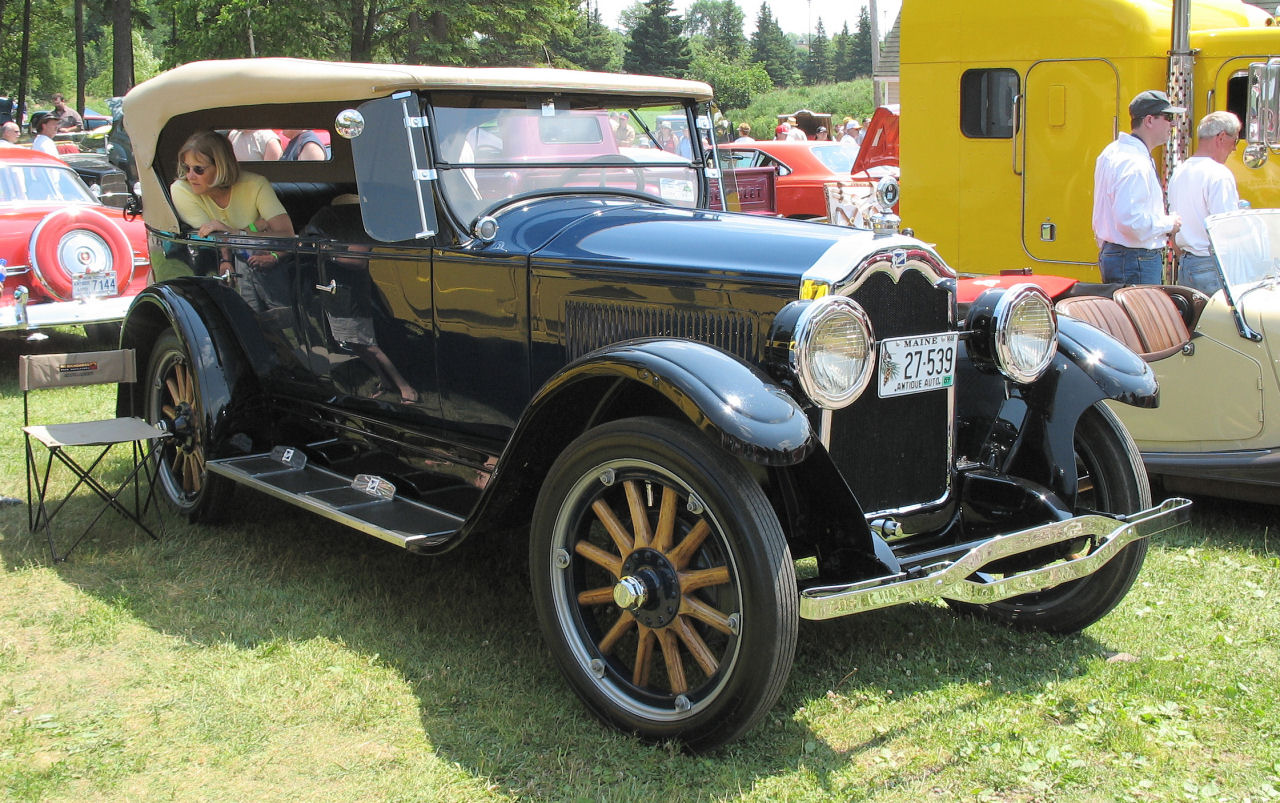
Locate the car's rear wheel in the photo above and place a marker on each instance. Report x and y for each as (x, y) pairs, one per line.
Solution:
(174, 402)
(663, 583)
(1111, 480)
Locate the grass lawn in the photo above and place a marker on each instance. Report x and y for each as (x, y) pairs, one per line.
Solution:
(281, 657)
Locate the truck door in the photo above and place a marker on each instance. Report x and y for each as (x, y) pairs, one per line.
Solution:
(1071, 110)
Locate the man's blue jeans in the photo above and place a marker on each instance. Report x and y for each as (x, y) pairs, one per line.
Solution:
(1131, 265)
(1199, 272)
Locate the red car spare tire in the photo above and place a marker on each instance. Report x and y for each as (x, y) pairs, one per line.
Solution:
(75, 241)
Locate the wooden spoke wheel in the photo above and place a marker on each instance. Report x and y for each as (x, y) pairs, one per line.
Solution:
(663, 583)
(173, 401)
(1110, 479)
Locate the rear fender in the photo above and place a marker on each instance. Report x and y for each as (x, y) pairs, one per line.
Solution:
(206, 316)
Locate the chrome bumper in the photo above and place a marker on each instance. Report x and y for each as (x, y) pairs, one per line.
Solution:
(960, 579)
(29, 317)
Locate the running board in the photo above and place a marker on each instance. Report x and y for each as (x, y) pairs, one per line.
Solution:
(366, 503)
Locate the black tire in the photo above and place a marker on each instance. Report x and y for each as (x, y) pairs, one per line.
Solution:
(1111, 480)
(103, 333)
(173, 400)
(707, 654)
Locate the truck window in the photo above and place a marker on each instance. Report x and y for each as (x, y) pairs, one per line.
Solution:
(1237, 97)
(986, 103)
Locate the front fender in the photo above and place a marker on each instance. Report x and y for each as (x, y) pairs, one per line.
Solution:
(737, 405)
(1119, 373)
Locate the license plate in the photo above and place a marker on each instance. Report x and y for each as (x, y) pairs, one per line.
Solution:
(916, 364)
(93, 285)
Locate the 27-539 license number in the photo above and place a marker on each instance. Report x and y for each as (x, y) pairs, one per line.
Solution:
(917, 363)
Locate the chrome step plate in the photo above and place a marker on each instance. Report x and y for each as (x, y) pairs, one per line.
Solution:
(365, 503)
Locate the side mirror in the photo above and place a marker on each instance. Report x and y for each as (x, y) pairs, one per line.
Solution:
(1262, 117)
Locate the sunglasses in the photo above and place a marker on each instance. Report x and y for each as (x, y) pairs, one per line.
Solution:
(199, 170)
(1168, 116)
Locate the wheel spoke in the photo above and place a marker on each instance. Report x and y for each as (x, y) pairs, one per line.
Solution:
(639, 514)
(697, 647)
(609, 562)
(671, 657)
(685, 550)
(665, 535)
(175, 394)
(703, 578)
(184, 381)
(700, 610)
(169, 411)
(615, 528)
(625, 622)
(596, 596)
(644, 657)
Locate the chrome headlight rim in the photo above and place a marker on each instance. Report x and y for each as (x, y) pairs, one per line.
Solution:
(812, 321)
(1005, 313)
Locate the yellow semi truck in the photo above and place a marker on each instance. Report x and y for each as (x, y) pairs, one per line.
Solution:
(1005, 107)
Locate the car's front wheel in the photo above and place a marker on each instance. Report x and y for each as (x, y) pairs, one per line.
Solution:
(663, 583)
(1111, 480)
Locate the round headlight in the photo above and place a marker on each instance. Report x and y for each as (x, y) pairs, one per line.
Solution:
(1025, 332)
(833, 351)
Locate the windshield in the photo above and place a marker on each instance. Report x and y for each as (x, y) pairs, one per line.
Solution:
(836, 158)
(499, 147)
(42, 183)
(1247, 243)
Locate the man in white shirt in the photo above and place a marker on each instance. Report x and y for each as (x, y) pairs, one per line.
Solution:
(1129, 219)
(9, 134)
(45, 126)
(794, 132)
(1203, 186)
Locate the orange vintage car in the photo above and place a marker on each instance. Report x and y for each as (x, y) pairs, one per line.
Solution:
(65, 258)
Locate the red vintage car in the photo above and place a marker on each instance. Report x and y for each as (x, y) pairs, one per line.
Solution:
(805, 169)
(65, 258)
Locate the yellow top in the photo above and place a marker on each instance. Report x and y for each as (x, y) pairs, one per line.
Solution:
(251, 198)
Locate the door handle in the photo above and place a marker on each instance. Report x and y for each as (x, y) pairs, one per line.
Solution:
(331, 287)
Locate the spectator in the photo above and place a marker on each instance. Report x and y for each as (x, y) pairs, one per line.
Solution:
(1129, 218)
(822, 134)
(626, 134)
(9, 134)
(852, 140)
(256, 145)
(1203, 186)
(44, 125)
(304, 146)
(794, 132)
(68, 118)
(780, 133)
(744, 133)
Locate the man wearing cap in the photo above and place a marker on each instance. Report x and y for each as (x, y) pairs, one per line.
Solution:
(1129, 218)
(794, 132)
(1202, 186)
(852, 137)
(44, 126)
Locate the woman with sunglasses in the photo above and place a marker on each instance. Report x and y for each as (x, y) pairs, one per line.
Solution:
(211, 194)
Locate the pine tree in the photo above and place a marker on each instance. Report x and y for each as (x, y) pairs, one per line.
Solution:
(818, 66)
(656, 46)
(771, 49)
(590, 45)
(860, 55)
(841, 47)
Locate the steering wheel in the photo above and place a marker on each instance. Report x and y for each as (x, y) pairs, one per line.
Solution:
(609, 159)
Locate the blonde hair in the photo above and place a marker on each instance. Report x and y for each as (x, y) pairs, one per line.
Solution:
(217, 149)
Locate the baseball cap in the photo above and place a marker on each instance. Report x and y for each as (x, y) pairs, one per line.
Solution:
(782, 128)
(1153, 101)
(851, 125)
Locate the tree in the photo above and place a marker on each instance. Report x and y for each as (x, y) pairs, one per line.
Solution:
(590, 44)
(734, 82)
(771, 49)
(841, 47)
(860, 53)
(655, 45)
(818, 65)
(719, 24)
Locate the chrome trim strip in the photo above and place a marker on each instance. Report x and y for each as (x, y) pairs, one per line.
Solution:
(959, 579)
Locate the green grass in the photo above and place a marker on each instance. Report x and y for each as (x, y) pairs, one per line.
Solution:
(281, 657)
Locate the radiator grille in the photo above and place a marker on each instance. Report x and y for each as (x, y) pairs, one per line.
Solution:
(590, 325)
(896, 452)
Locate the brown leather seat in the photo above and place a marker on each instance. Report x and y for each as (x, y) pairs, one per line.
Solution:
(1105, 314)
(1157, 319)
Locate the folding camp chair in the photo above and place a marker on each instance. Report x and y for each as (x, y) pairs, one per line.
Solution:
(41, 371)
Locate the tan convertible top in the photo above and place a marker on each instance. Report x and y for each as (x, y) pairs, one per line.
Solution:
(248, 82)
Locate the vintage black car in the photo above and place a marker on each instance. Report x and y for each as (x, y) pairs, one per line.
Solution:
(511, 309)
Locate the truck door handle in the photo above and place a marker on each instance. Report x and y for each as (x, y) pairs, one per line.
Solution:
(331, 287)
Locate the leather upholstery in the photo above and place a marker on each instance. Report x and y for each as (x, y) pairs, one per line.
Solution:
(1105, 314)
(1159, 322)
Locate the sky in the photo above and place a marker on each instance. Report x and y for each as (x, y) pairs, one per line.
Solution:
(794, 16)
